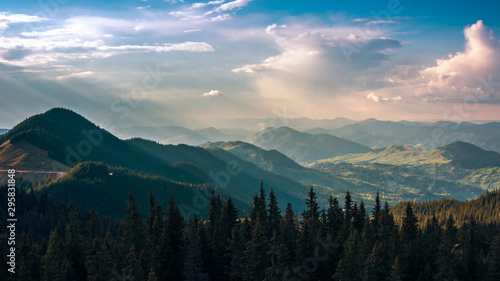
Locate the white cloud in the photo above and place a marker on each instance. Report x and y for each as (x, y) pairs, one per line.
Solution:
(201, 5)
(232, 5)
(212, 93)
(75, 75)
(222, 17)
(456, 78)
(193, 30)
(381, 22)
(314, 49)
(144, 7)
(206, 12)
(375, 98)
(42, 51)
(312, 62)
(459, 73)
(6, 19)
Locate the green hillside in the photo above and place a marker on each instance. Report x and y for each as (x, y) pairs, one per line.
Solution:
(69, 138)
(459, 170)
(457, 152)
(106, 189)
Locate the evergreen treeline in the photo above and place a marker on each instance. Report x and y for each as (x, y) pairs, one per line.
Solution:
(61, 242)
(484, 209)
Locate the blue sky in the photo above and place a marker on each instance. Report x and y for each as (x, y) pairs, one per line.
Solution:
(165, 62)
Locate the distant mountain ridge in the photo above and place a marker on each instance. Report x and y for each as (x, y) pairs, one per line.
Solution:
(376, 134)
(304, 147)
(182, 135)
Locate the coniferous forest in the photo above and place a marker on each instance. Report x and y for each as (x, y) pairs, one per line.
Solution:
(58, 241)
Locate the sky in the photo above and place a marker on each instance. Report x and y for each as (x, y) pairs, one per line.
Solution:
(152, 63)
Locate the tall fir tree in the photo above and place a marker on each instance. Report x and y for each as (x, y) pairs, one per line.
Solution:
(376, 212)
(348, 211)
(255, 257)
(133, 233)
(374, 267)
(350, 266)
(55, 265)
(234, 269)
(274, 215)
(193, 269)
(409, 260)
(493, 260)
(98, 263)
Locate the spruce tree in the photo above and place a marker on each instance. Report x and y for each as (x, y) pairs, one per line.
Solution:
(279, 259)
(29, 259)
(374, 269)
(274, 214)
(55, 264)
(335, 216)
(376, 213)
(133, 270)
(289, 233)
(133, 227)
(174, 236)
(396, 274)
(347, 211)
(98, 263)
(255, 256)
(74, 246)
(409, 260)
(350, 265)
(234, 269)
(493, 260)
(193, 269)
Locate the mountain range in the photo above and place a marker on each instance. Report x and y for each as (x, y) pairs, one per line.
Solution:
(377, 134)
(286, 160)
(182, 135)
(371, 132)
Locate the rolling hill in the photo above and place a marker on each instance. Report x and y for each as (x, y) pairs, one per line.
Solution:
(303, 147)
(278, 163)
(407, 155)
(401, 170)
(237, 176)
(106, 189)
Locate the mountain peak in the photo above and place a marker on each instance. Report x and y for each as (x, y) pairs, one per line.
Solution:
(463, 150)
